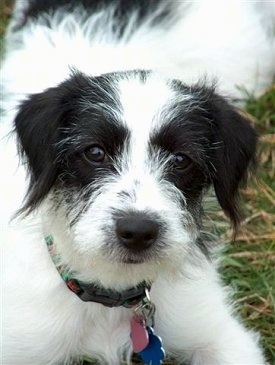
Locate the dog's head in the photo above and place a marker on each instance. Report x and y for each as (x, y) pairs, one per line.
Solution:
(122, 161)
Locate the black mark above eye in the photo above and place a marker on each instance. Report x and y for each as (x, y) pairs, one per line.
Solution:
(181, 161)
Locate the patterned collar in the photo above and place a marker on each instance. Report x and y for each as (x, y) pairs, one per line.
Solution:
(93, 293)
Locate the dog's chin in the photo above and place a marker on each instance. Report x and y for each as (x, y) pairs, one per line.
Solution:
(138, 258)
(135, 261)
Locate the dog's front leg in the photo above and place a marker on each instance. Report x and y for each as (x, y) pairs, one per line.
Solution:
(196, 323)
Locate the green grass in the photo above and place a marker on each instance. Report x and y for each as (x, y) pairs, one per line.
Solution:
(251, 270)
(249, 262)
(5, 11)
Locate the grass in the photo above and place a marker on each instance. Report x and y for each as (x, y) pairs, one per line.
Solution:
(249, 262)
(5, 11)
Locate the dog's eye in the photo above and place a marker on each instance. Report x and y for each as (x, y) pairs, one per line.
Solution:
(181, 161)
(95, 154)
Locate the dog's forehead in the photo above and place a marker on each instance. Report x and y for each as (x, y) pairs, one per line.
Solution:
(143, 102)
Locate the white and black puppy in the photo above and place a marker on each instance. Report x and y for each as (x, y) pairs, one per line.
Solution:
(116, 152)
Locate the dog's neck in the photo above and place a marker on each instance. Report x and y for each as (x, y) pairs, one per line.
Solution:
(93, 292)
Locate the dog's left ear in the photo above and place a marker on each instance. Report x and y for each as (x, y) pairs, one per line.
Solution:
(232, 151)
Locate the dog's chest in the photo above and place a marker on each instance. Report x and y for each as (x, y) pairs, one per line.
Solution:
(106, 333)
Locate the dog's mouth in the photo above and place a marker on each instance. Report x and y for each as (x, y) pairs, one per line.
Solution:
(133, 261)
(137, 258)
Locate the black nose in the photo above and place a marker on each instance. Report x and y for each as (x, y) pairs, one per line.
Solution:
(137, 233)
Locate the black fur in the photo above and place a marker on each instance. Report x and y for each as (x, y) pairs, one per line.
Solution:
(227, 144)
(56, 126)
(123, 9)
(237, 153)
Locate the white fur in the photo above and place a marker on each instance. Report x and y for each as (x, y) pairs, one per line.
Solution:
(43, 322)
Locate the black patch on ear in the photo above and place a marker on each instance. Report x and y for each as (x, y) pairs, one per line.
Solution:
(231, 149)
(46, 119)
(37, 126)
(238, 154)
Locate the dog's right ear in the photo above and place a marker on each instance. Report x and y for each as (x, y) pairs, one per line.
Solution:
(39, 125)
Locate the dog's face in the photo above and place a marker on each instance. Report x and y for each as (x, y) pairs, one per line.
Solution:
(122, 161)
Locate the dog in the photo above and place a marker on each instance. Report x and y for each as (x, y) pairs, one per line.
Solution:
(117, 120)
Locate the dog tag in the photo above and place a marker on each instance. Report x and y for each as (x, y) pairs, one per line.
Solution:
(154, 353)
(139, 333)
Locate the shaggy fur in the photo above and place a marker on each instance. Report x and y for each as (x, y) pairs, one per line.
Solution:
(109, 146)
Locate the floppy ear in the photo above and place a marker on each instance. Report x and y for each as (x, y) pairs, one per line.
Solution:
(39, 123)
(233, 151)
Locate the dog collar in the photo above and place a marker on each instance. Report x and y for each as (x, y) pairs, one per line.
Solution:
(92, 292)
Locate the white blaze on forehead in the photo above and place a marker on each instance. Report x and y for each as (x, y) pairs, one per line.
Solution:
(141, 101)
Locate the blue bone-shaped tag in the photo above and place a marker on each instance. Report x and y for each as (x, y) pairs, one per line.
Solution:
(154, 353)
